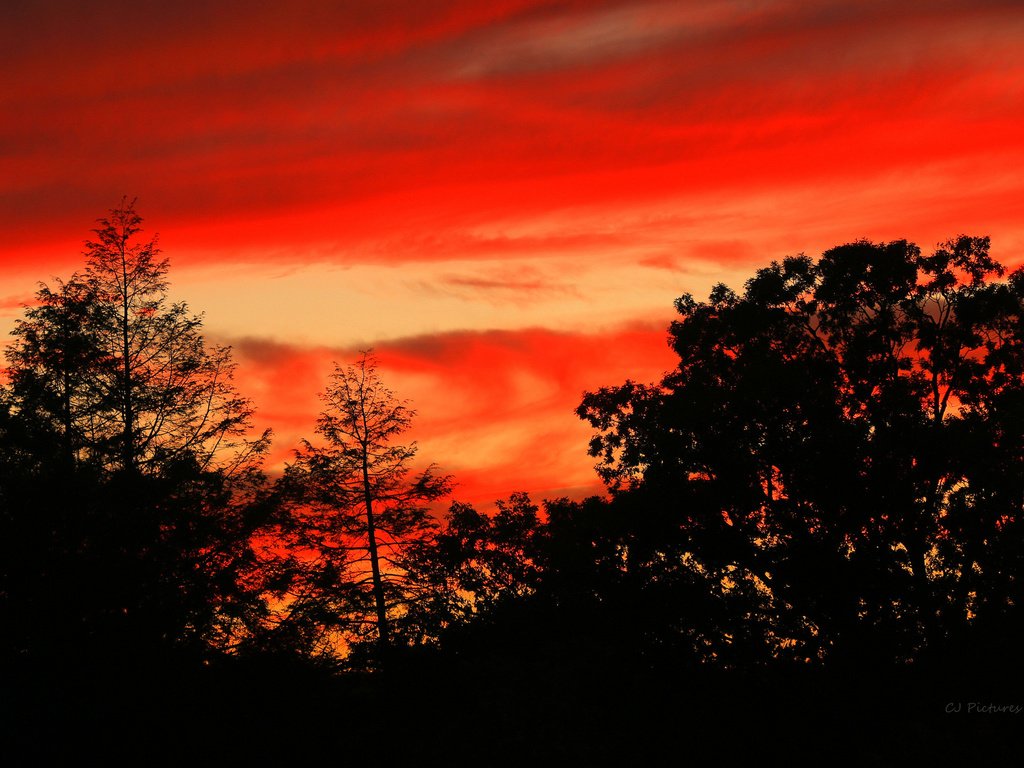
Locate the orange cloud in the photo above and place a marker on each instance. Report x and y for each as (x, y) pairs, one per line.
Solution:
(495, 408)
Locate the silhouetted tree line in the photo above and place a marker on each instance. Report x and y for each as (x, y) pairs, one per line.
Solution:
(832, 478)
(839, 450)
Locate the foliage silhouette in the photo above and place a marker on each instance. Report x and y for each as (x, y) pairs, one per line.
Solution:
(130, 480)
(474, 566)
(354, 506)
(589, 580)
(843, 444)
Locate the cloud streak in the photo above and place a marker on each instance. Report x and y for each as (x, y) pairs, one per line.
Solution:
(330, 122)
(493, 407)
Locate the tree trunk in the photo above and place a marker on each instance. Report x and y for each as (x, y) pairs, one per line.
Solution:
(383, 635)
(128, 435)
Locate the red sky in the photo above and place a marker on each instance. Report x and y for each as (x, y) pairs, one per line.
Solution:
(502, 198)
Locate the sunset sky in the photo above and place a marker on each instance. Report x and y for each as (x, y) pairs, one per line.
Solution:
(503, 198)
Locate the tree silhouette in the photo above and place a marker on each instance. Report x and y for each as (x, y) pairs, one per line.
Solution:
(165, 392)
(52, 365)
(474, 566)
(841, 442)
(592, 581)
(355, 507)
(134, 468)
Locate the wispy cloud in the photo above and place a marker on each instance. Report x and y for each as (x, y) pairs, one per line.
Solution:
(494, 407)
(330, 122)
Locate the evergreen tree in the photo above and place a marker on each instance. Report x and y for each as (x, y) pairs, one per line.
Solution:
(356, 506)
(134, 456)
(164, 393)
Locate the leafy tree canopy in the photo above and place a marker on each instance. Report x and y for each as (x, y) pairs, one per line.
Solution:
(844, 440)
